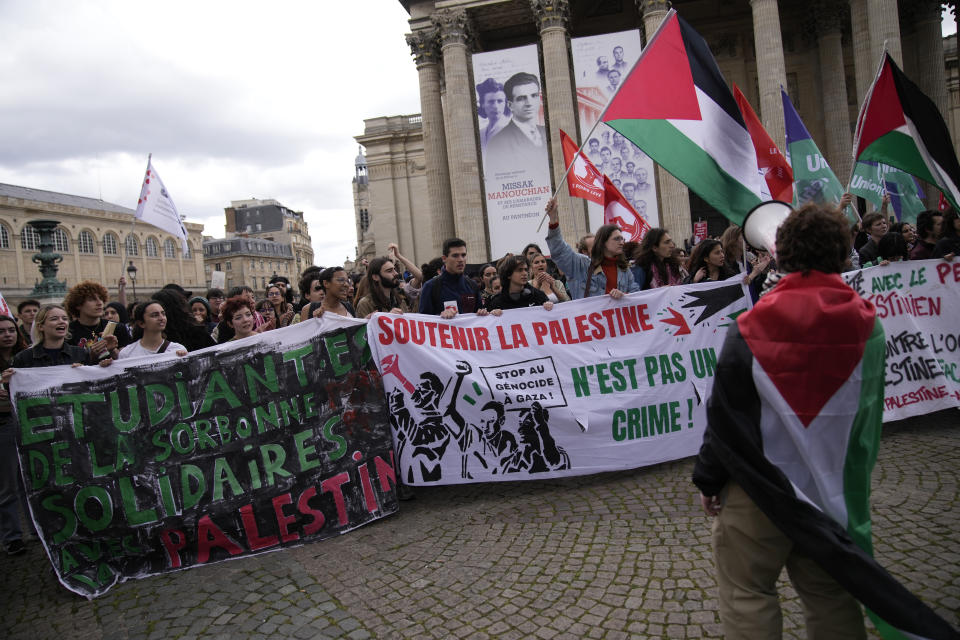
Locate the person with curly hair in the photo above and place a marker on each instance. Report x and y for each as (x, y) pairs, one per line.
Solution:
(239, 312)
(84, 302)
(181, 327)
(492, 106)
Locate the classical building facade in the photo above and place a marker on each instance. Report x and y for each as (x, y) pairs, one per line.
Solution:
(825, 52)
(97, 241)
(263, 239)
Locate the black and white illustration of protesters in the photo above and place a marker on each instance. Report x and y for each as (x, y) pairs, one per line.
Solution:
(493, 445)
(538, 451)
(428, 430)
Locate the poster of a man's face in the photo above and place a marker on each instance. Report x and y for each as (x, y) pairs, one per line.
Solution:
(523, 97)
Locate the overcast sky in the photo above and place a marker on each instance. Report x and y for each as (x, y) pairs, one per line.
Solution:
(234, 99)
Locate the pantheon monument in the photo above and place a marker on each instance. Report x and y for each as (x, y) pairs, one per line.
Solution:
(424, 175)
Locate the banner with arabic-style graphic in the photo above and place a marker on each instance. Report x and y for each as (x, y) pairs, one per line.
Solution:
(591, 385)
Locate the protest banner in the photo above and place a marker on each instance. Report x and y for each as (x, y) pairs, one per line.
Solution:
(152, 465)
(592, 385)
(918, 303)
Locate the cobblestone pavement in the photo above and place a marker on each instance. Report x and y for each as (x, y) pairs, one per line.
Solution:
(609, 556)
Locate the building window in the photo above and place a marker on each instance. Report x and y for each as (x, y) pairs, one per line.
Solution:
(253, 264)
(29, 238)
(132, 246)
(186, 254)
(85, 242)
(169, 249)
(60, 242)
(109, 244)
(4, 237)
(364, 220)
(151, 247)
(228, 265)
(216, 266)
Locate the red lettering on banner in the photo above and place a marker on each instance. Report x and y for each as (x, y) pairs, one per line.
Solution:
(209, 536)
(284, 521)
(923, 394)
(332, 485)
(386, 472)
(254, 540)
(173, 548)
(944, 269)
(303, 506)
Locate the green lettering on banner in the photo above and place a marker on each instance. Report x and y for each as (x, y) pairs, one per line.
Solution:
(218, 389)
(334, 438)
(190, 495)
(118, 421)
(296, 356)
(50, 503)
(644, 422)
(273, 456)
(59, 462)
(303, 450)
(157, 413)
(581, 386)
(101, 497)
(289, 408)
(268, 379)
(28, 426)
(78, 400)
(270, 414)
(133, 513)
(67, 562)
(38, 477)
(360, 342)
(337, 347)
(223, 474)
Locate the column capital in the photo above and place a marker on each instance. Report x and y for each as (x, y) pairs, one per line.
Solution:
(830, 16)
(652, 6)
(424, 47)
(551, 13)
(914, 11)
(454, 27)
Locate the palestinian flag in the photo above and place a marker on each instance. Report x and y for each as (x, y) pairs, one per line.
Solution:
(774, 167)
(900, 126)
(676, 106)
(795, 419)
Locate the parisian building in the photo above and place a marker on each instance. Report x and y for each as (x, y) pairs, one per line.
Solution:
(263, 239)
(97, 240)
(825, 53)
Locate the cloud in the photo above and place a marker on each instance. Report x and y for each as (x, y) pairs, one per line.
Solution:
(234, 99)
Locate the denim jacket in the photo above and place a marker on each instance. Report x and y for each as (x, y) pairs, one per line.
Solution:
(36, 356)
(575, 266)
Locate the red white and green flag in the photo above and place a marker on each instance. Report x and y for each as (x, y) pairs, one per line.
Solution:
(676, 106)
(795, 419)
(774, 167)
(900, 126)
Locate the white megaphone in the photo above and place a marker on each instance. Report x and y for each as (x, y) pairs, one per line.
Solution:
(761, 224)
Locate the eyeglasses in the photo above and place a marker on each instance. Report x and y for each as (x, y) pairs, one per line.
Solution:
(274, 294)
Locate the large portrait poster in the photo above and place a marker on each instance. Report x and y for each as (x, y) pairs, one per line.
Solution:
(159, 464)
(600, 64)
(592, 385)
(514, 147)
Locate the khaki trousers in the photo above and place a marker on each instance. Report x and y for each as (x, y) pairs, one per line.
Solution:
(750, 552)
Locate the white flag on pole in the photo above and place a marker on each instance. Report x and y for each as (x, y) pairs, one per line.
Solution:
(156, 207)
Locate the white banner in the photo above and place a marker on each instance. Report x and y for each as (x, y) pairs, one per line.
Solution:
(600, 64)
(514, 146)
(156, 207)
(918, 303)
(593, 385)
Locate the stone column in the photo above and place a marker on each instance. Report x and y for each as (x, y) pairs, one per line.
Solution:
(931, 72)
(673, 197)
(829, 17)
(864, 65)
(462, 152)
(561, 104)
(884, 21)
(424, 46)
(771, 70)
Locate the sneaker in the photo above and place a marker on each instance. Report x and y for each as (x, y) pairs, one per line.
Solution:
(15, 548)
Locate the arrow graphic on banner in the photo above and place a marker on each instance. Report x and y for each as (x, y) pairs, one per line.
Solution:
(678, 320)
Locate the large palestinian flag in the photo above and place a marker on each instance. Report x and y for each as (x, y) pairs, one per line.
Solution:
(795, 419)
(900, 126)
(676, 106)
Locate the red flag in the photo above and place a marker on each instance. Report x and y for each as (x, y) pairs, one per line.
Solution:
(943, 205)
(616, 210)
(774, 166)
(583, 181)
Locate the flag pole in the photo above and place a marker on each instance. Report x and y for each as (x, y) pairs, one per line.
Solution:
(133, 225)
(579, 152)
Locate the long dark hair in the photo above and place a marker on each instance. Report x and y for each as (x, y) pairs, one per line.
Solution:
(181, 326)
(507, 267)
(649, 260)
(372, 288)
(698, 259)
(599, 240)
(139, 314)
(19, 345)
(948, 230)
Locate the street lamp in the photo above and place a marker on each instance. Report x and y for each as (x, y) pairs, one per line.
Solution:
(132, 273)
